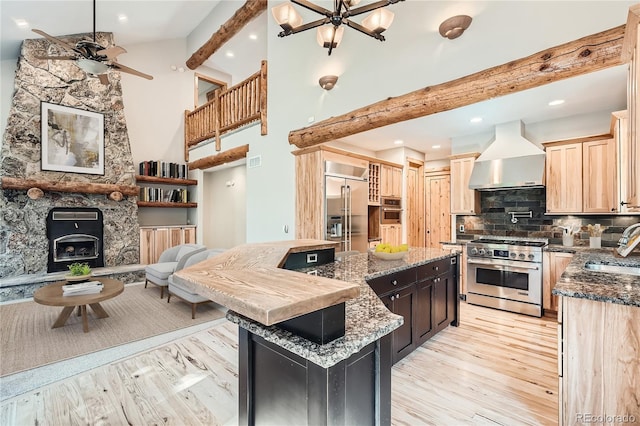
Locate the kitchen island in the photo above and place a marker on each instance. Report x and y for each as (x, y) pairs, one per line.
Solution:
(288, 379)
(599, 333)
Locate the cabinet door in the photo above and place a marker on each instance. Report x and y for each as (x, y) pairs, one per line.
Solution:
(424, 311)
(386, 180)
(443, 301)
(599, 165)
(403, 337)
(189, 235)
(396, 181)
(147, 246)
(391, 234)
(564, 178)
(553, 265)
(162, 242)
(463, 199)
(175, 236)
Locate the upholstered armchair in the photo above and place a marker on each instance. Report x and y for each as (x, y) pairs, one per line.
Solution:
(171, 260)
(181, 291)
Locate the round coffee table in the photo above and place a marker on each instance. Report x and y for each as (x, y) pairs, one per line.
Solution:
(51, 295)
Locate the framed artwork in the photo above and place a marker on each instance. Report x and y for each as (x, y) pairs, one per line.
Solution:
(72, 139)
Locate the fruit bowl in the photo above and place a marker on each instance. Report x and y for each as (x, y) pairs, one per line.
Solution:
(389, 256)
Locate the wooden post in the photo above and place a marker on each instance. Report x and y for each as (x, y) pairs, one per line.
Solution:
(216, 119)
(263, 98)
(582, 56)
(186, 136)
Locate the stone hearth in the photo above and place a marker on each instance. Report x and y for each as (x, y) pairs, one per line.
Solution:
(23, 240)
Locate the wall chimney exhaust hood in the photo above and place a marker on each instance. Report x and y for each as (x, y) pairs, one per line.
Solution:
(510, 161)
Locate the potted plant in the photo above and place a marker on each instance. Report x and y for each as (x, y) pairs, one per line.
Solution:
(78, 272)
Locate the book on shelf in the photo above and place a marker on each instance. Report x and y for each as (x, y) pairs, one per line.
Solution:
(89, 287)
(178, 195)
(163, 169)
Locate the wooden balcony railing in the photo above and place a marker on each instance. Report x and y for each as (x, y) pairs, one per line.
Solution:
(230, 109)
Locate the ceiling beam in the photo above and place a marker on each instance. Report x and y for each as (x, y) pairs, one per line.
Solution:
(250, 10)
(582, 56)
(224, 157)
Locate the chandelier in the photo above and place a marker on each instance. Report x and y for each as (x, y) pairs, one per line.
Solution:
(330, 36)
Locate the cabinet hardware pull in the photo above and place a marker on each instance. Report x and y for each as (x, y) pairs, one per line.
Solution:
(392, 297)
(394, 282)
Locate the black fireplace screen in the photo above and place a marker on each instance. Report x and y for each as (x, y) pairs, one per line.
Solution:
(75, 235)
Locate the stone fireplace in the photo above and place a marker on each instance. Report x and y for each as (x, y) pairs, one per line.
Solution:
(24, 245)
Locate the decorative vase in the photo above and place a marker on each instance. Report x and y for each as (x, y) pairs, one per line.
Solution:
(595, 242)
(567, 240)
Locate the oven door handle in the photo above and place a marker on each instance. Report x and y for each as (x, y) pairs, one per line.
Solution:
(495, 265)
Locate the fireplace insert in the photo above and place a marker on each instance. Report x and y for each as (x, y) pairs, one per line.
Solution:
(75, 235)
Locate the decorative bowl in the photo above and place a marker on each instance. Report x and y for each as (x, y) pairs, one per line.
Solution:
(389, 256)
(77, 278)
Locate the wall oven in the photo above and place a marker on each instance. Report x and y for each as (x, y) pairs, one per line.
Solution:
(506, 274)
(390, 210)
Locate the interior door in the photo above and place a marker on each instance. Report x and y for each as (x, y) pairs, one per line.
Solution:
(438, 209)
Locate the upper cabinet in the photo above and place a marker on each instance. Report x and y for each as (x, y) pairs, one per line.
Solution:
(390, 181)
(629, 150)
(581, 176)
(629, 163)
(463, 200)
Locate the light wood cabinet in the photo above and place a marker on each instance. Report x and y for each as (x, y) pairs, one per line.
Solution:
(598, 362)
(581, 175)
(564, 178)
(599, 177)
(553, 265)
(374, 183)
(391, 234)
(464, 201)
(390, 181)
(156, 239)
(628, 161)
(437, 209)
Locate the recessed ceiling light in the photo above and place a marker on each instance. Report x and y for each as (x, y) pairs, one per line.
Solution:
(398, 142)
(253, 36)
(122, 18)
(476, 120)
(21, 23)
(435, 146)
(229, 54)
(556, 102)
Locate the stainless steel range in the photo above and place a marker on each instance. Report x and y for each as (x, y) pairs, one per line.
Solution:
(506, 273)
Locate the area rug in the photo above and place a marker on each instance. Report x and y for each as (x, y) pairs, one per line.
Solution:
(28, 341)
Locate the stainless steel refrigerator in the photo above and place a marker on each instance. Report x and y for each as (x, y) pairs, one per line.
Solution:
(346, 198)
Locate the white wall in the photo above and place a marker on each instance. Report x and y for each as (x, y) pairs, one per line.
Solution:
(224, 192)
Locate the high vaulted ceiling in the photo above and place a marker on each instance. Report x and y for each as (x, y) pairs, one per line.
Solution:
(154, 20)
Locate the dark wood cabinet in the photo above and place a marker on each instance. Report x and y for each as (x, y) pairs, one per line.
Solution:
(425, 296)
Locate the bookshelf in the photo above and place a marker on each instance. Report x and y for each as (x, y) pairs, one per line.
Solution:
(161, 192)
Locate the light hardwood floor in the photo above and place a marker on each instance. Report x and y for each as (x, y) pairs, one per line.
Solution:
(496, 368)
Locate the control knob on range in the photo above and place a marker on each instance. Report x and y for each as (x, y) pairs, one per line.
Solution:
(481, 252)
(474, 251)
(512, 255)
(521, 256)
(531, 256)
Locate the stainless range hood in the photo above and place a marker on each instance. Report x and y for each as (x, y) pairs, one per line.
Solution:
(510, 161)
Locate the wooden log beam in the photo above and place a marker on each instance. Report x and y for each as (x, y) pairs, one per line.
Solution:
(582, 56)
(78, 187)
(250, 10)
(227, 156)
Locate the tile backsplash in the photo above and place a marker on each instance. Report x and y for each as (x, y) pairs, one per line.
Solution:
(495, 219)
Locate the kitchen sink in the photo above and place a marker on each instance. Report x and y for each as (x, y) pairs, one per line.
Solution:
(613, 269)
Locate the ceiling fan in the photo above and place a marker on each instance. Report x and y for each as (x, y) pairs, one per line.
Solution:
(90, 56)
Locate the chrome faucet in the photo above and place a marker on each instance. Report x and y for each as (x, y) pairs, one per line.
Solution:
(629, 233)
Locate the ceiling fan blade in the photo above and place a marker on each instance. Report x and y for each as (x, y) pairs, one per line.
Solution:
(128, 70)
(104, 79)
(112, 52)
(55, 40)
(61, 58)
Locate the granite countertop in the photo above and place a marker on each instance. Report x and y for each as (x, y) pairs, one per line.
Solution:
(367, 319)
(577, 281)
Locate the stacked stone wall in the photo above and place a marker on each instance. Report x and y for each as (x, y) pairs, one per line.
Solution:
(23, 240)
